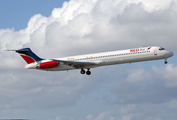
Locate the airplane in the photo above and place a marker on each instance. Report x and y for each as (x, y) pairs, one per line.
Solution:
(93, 60)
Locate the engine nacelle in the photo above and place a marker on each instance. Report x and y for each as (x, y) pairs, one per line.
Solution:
(46, 65)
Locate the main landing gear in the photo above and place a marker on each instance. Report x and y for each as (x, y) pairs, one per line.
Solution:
(83, 71)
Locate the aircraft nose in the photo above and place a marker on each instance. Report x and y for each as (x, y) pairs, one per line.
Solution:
(169, 54)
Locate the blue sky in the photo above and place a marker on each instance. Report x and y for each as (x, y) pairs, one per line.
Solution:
(16, 13)
(137, 91)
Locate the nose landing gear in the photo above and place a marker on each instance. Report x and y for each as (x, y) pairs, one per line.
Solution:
(165, 61)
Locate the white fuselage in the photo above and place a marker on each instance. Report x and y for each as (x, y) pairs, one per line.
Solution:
(110, 58)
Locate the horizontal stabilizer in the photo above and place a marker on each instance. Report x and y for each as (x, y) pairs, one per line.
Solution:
(25, 50)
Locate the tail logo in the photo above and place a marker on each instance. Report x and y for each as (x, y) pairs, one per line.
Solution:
(28, 55)
(149, 48)
(27, 58)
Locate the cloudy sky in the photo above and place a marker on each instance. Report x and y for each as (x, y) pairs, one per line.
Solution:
(139, 91)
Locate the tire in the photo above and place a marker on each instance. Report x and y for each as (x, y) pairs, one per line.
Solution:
(88, 72)
(82, 71)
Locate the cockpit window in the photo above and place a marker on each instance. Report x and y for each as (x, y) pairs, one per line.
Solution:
(161, 48)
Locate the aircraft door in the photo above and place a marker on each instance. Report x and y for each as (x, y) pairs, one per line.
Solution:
(155, 51)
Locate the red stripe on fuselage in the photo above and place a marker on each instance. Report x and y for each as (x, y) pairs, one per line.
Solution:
(27, 59)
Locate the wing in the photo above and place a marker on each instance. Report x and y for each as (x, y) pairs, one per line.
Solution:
(77, 64)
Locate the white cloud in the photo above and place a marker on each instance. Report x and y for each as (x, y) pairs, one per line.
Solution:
(35, 23)
(105, 116)
(167, 73)
(151, 118)
(152, 5)
(125, 110)
(64, 118)
(12, 39)
(111, 116)
(137, 75)
(86, 23)
(134, 112)
(89, 117)
(172, 104)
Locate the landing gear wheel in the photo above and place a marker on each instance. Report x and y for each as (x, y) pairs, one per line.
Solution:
(88, 72)
(165, 61)
(82, 71)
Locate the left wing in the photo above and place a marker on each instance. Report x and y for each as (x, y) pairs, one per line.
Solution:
(76, 64)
